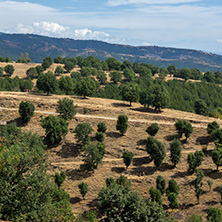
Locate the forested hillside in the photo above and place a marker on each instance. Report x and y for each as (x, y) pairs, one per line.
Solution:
(38, 47)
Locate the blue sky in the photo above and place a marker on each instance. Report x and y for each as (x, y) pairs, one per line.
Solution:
(195, 24)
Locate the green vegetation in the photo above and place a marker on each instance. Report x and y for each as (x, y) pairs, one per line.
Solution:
(161, 184)
(83, 188)
(194, 160)
(184, 127)
(26, 111)
(127, 158)
(175, 152)
(122, 124)
(101, 127)
(152, 129)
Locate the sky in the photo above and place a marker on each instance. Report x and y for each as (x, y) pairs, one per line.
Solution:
(193, 24)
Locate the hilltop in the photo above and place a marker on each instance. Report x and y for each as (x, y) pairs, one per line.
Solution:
(38, 47)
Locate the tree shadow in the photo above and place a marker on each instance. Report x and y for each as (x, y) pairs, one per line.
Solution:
(18, 122)
(203, 140)
(93, 203)
(186, 206)
(172, 137)
(74, 200)
(118, 169)
(139, 161)
(78, 174)
(69, 150)
(113, 134)
(145, 110)
(212, 202)
(39, 94)
(143, 171)
(181, 174)
(165, 166)
(120, 105)
(141, 142)
(213, 174)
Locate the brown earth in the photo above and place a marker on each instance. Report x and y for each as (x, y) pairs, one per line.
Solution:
(142, 173)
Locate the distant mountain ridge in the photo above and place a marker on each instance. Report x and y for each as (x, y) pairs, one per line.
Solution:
(39, 47)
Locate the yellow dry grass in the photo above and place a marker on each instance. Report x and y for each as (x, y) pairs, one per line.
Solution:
(142, 173)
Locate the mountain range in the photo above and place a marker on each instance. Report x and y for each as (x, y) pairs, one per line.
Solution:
(39, 47)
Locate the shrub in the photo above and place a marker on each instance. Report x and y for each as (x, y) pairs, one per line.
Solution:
(83, 188)
(101, 127)
(194, 160)
(82, 131)
(32, 73)
(194, 218)
(161, 184)
(56, 129)
(155, 195)
(127, 158)
(184, 127)
(173, 187)
(100, 136)
(214, 215)
(211, 127)
(60, 178)
(59, 70)
(122, 124)
(26, 111)
(172, 197)
(175, 152)
(152, 129)
(9, 69)
(66, 109)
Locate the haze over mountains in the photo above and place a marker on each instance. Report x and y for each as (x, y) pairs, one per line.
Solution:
(39, 47)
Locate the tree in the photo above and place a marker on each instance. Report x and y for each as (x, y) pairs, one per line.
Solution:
(130, 93)
(100, 136)
(55, 128)
(175, 152)
(9, 69)
(119, 203)
(160, 99)
(217, 157)
(212, 127)
(1, 71)
(155, 195)
(26, 111)
(172, 197)
(216, 136)
(39, 69)
(214, 214)
(66, 108)
(83, 188)
(152, 129)
(173, 187)
(194, 160)
(161, 184)
(93, 154)
(47, 82)
(184, 127)
(60, 178)
(27, 191)
(32, 73)
(101, 127)
(110, 181)
(69, 66)
(58, 59)
(116, 76)
(172, 69)
(146, 98)
(194, 218)
(198, 184)
(200, 107)
(122, 124)
(85, 72)
(86, 87)
(67, 85)
(113, 64)
(47, 62)
(156, 150)
(127, 158)
(102, 77)
(82, 131)
(129, 74)
(59, 70)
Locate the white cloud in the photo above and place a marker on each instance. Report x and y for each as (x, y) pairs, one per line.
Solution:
(149, 2)
(89, 34)
(51, 27)
(219, 40)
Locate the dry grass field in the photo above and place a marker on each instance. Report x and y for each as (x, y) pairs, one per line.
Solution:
(142, 173)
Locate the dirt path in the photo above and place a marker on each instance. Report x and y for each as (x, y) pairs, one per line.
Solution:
(110, 118)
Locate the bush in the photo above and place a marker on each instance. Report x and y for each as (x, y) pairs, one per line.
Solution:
(214, 215)
(85, 110)
(56, 129)
(127, 158)
(175, 152)
(32, 73)
(172, 197)
(122, 124)
(59, 70)
(184, 127)
(173, 187)
(26, 111)
(155, 195)
(152, 129)
(82, 132)
(83, 188)
(100, 136)
(194, 160)
(60, 178)
(194, 218)
(200, 107)
(66, 109)
(101, 127)
(156, 150)
(161, 184)
(9, 69)
(211, 127)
